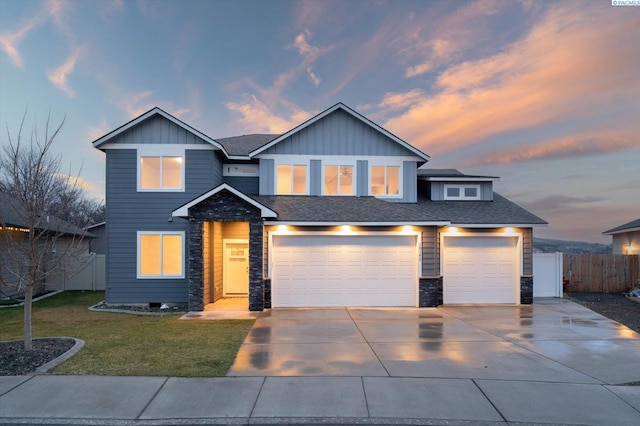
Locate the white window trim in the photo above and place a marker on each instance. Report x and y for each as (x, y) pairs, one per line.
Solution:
(354, 178)
(382, 162)
(462, 187)
(160, 151)
(161, 233)
(232, 170)
(290, 161)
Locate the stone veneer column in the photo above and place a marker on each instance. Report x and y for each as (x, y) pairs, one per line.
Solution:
(429, 292)
(196, 289)
(256, 284)
(526, 290)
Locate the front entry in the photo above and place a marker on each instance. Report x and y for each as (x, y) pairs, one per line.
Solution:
(236, 268)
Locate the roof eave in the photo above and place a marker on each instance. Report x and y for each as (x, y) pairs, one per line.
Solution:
(183, 211)
(621, 231)
(155, 110)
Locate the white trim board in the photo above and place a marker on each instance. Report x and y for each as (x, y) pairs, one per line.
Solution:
(183, 211)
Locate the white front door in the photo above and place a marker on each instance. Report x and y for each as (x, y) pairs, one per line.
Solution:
(236, 268)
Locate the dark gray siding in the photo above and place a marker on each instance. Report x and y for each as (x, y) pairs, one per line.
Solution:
(339, 134)
(158, 129)
(362, 175)
(129, 211)
(267, 174)
(246, 185)
(409, 182)
(430, 252)
(486, 190)
(315, 178)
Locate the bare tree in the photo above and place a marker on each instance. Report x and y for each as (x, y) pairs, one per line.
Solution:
(35, 241)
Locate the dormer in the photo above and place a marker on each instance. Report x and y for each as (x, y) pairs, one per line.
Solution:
(453, 185)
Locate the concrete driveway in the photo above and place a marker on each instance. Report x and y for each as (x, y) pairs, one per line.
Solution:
(553, 340)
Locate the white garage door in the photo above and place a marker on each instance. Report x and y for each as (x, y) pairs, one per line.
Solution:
(315, 271)
(480, 270)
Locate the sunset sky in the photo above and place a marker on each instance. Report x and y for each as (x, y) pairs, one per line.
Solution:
(545, 95)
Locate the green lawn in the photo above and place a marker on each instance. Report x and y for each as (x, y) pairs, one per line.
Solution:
(130, 345)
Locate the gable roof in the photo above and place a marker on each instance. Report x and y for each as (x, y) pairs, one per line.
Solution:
(12, 214)
(243, 145)
(152, 112)
(356, 115)
(632, 226)
(183, 210)
(500, 211)
(315, 210)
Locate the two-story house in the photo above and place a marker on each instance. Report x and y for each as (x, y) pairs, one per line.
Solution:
(337, 211)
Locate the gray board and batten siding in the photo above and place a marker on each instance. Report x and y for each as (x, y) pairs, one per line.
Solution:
(130, 211)
(339, 133)
(158, 130)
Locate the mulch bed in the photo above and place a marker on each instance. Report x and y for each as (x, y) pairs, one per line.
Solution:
(15, 361)
(612, 305)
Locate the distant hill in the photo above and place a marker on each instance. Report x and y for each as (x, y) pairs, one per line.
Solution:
(543, 245)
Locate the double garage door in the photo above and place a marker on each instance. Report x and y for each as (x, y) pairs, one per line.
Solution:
(336, 270)
(382, 270)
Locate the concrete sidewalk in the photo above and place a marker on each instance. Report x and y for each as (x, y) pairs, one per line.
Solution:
(100, 400)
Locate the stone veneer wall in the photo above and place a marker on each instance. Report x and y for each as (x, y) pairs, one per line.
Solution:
(429, 292)
(225, 207)
(526, 289)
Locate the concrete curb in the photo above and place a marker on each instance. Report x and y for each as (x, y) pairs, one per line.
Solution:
(53, 293)
(62, 358)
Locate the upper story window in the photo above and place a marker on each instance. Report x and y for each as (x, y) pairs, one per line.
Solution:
(462, 192)
(385, 180)
(161, 169)
(291, 179)
(338, 180)
(160, 254)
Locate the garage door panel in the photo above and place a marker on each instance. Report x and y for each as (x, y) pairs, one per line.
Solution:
(344, 271)
(480, 270)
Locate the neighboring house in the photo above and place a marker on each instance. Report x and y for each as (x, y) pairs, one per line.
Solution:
(98, 244)
(626, 238)
(334, 212)
(14, 228)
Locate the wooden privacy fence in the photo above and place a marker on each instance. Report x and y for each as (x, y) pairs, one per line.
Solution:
(604, 273)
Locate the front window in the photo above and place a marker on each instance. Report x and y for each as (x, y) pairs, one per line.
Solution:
(385, 180)
(160, 254)
(291, 179)
(462, 192)
(161, 172)
(338, 180)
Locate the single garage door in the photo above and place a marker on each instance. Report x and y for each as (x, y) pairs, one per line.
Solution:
(316, 271)
(480, 270)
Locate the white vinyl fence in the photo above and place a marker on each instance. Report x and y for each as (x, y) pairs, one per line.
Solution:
(547, 275)
(91, 277)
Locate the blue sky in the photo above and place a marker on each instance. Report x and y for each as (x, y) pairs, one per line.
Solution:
(545, 95)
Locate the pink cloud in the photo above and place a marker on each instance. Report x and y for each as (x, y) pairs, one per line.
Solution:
(570, 65)
(59, 76)
(257, 117)
(560, 148)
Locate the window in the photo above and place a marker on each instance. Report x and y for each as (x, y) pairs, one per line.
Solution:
(240, 170)
(462, 192)
(385, 180)
(160, 254)
(291, 179)
(161, 173)
(338, 180)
